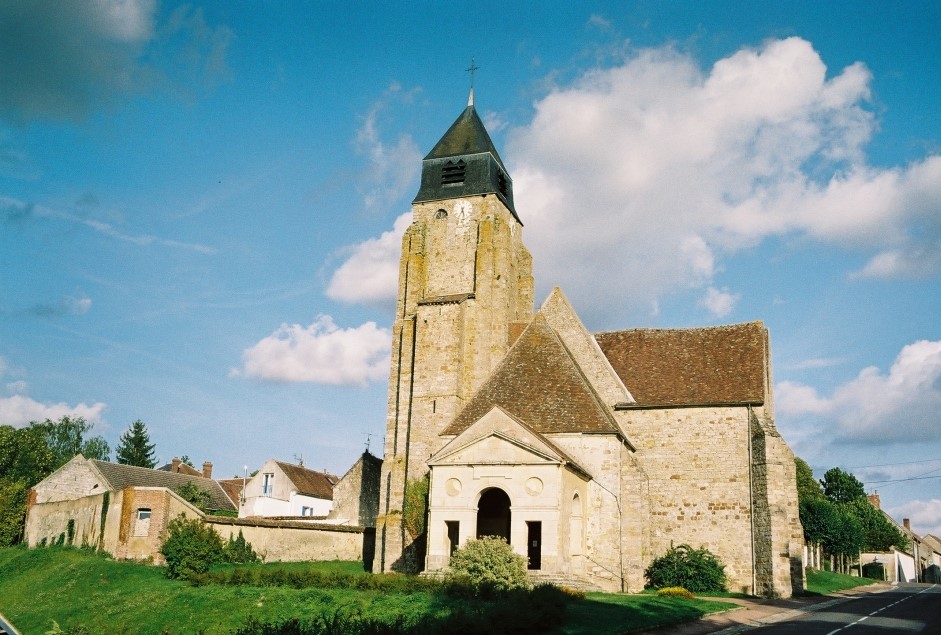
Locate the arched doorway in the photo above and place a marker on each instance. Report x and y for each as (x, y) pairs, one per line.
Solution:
(493, 514)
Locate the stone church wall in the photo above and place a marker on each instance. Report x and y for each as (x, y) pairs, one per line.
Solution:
(697, 460)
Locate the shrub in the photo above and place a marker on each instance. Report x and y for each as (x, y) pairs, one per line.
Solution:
(415, 506)
(675, 592)
(697, 570)
(489, 564)
(191, 548)
(239, 550)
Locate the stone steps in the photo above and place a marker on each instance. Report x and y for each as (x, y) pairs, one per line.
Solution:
(562, 580)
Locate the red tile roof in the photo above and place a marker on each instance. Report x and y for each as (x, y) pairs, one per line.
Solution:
(671, 367)
(309, 482)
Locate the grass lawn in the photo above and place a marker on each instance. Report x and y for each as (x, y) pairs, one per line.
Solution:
(825, 582)
(613, 613)
(75, 587)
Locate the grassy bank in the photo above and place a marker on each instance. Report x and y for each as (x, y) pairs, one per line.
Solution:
(77, 588)
(826, 582)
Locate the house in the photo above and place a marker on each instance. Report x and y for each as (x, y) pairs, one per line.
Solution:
(122, 509)
(590, 453)
(282, 489)
(920, 562)
(356, 494)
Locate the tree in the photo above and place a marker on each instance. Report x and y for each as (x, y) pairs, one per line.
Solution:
(194, 494)
(807, 486)
(135, 448)
(66, 438)
(841, 487)
(879, 534)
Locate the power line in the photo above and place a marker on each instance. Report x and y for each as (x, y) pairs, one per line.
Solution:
(900, 480)
(863, 467)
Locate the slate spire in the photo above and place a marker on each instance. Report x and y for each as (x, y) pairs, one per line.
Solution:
(465, 163)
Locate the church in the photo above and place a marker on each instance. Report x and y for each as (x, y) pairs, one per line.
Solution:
(590, 453)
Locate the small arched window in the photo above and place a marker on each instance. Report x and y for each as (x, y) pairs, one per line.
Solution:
(441, 214)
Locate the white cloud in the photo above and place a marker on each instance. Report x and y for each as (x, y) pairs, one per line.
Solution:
(653, 170)
(719, 303)
(20, 410)
(392, 167)
(18, 387)
(320, 353)
(925, 516)
(371, 273)
(900, 406)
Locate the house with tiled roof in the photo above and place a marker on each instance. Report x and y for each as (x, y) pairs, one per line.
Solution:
(123, 509)
(591, 454)
(280, 490)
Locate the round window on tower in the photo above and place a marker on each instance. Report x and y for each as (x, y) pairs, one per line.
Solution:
(441, 213)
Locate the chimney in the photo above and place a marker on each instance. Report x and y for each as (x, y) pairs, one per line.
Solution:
(907, 524)
(874, 500)
(207, 469)
(175, 465)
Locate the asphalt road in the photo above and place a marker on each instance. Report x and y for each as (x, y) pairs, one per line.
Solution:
(906, 608)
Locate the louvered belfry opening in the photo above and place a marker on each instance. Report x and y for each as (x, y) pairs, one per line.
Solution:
(453, 173)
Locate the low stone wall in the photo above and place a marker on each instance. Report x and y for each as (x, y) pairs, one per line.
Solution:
(293, 541)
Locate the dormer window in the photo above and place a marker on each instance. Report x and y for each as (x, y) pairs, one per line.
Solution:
(441, 214)
(453, 173)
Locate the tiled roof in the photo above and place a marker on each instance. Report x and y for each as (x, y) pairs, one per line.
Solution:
(120, 476)
(309, 482)
(232, 488)
(538, 382)
(712, 365)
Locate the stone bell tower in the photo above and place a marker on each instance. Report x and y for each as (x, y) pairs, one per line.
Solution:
(465, 283)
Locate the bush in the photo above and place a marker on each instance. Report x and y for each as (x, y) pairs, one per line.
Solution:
(489, 564)
(191, 548)
(239, 550)
(697, 570)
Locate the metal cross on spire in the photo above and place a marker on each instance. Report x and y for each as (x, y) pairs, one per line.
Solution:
(473, 68)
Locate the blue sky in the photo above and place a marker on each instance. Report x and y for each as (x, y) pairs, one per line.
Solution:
(201, 204)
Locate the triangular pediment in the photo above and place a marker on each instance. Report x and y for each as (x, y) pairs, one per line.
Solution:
(498, 438)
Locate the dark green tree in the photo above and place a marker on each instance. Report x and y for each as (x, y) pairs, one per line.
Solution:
(807, 486)
(841, 487)
(820, 519)
(135, 448)
(879, 533)
(67, 437)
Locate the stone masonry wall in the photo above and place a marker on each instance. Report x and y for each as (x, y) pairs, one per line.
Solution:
(697, 464)
(285, 541)
(461, 284)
